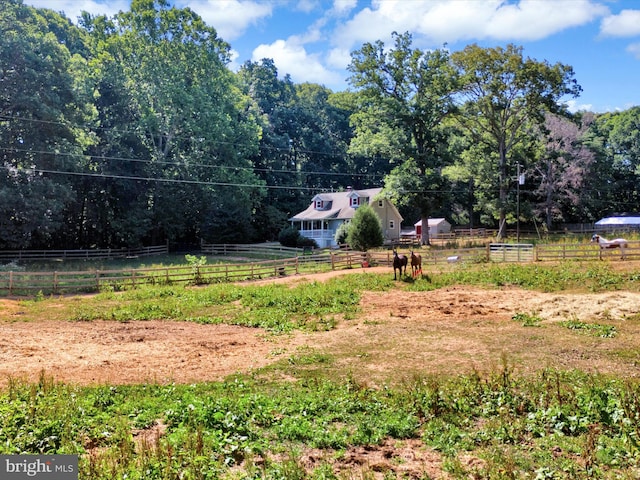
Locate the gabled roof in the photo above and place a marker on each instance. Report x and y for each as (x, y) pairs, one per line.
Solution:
(321, 196)
(432, 222)
(340, 206)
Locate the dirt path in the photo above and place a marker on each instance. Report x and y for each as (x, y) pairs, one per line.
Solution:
(453, 330)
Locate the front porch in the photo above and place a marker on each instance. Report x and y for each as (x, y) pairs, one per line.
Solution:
(324, 238)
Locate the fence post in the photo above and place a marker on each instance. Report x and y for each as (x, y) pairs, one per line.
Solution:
(332, 261)
(98, 280)
(11, 282)
(55, 282)
(297, 270)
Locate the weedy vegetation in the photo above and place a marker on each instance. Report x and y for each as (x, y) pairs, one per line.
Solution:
(499, 425)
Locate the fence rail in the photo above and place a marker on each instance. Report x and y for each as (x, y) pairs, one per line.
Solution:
(585, 252)
(94, 254)
(511, 252)
(229, 249)
(30, 283)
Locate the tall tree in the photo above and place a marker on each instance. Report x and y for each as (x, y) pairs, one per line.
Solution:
(190, 120)
(303, 143)
(614, 176)
(275, 160)
(561, 173)
(404, 96)
(42, 102)
(503, 96)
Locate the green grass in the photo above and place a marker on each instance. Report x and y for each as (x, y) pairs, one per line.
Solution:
(594, 329)
(275, 307)
(572, 424)
(550, 424)
(578, 276)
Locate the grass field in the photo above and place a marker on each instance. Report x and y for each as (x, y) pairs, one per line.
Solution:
(373, 392)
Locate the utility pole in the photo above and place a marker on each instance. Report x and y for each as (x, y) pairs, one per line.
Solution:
(520, 182)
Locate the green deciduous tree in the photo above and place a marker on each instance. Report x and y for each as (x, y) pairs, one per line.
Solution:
(192, 133)
(614, 176)
(43, 99)
(404, 94)
(365, 230)
(503, 97)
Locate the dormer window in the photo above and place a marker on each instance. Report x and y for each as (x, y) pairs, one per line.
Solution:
(319, 204)
(354, 202)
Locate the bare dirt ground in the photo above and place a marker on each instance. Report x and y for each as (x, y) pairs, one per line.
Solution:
(452, 330)
(396, 335)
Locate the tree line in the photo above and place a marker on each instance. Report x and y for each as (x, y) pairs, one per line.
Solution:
(133, 130)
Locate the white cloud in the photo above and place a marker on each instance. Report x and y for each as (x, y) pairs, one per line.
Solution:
(292, 58)
(574, 106)
(634, 49)
(343, 7)
(306, 5)
(534, 20)
(230, 18)
(625, 24)
(338, 58)
(440, 21)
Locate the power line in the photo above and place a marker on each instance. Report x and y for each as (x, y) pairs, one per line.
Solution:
(176, 164)
(182, 137)
(162, 180)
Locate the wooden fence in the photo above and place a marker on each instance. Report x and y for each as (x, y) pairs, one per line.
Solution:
(31, 283)
(570, 251)
(93, 254)
(269, 250)
(511, 252)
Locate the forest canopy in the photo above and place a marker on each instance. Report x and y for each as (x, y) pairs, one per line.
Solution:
(133, 130)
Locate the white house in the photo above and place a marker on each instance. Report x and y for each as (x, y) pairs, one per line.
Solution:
(328, 211)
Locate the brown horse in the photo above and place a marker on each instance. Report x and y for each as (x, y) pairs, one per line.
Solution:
(399, 261)
(416, 264)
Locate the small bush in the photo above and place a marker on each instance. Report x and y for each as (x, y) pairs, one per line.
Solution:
(306, 242)
(365, 231)
(288, 236)
(342, 233)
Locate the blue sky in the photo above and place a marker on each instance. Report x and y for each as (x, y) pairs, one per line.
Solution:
(311, 39)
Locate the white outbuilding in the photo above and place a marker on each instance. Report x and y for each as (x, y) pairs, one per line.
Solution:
(436, 226)
(617, 222)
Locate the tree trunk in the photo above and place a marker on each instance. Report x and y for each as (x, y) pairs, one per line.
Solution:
(424, 234)
(503, 179)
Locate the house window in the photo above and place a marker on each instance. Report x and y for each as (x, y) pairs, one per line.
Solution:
(392, 225)
(319, 204)
(380, 203)
(354, 201)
